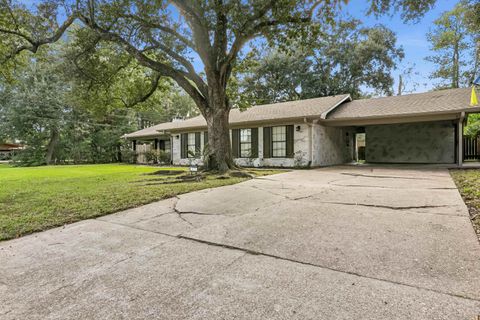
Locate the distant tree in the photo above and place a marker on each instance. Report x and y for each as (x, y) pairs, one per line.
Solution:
(472, 19)
(406, 80)
(452, 45)
(33, 111)
(344, 58)
(163, 36)
(58, 119)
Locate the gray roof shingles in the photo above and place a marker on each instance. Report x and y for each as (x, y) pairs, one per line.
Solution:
(444, 101)
(277, 111)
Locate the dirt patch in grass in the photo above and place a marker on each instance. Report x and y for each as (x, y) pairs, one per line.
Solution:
(468, 183)
(165, 173)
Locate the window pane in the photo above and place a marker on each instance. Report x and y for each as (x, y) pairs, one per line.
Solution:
(245, 135)
(191, 145)
(245, 150)
(279, 134)
(279, 149)
(191, 139)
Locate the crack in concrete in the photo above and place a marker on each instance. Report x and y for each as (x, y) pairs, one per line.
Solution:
(153, 217)
(388, 207)
(179, 212)
(381, 177)
(259, 253)
(62, 287)
(179, 215)
(384, 187)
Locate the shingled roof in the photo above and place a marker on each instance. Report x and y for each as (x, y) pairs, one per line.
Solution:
(270, 112)
(333, 108)
(442, 101)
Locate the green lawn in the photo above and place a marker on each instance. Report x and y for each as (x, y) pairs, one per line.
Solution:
(468, 183)
(38, 198)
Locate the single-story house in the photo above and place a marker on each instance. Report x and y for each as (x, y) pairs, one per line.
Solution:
(8, 149)
(415, 128)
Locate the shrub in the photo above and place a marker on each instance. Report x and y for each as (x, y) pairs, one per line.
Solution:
(129, 156)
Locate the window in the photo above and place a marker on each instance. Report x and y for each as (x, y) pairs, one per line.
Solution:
(191, 145)
(279, 142)
(245, 143)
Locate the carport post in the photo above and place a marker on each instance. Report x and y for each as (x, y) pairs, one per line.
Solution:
(460, 139)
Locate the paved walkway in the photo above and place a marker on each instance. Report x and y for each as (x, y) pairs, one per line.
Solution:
(334, 243)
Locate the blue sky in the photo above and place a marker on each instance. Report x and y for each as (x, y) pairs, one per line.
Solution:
(411, 36)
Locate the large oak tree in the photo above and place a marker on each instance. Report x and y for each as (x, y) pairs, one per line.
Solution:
(165, 37)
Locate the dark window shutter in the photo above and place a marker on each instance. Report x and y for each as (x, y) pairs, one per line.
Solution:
(156, 144)
(289, 141)
(183, 145)
(205, 138)
(254, 142)
(198, 144)
(161, 145)
(235, 143)
(267, 142)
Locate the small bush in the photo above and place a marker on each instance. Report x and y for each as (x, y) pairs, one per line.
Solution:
(129, 156)
(157, 157)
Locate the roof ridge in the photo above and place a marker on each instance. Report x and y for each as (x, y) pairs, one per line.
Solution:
(411, 94)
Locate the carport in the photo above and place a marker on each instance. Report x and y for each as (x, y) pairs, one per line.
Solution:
(412, 129)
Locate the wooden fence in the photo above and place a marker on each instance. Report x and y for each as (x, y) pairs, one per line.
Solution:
(471, 148)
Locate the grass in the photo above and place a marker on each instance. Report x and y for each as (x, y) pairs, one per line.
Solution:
(468, 183)
(38, 198)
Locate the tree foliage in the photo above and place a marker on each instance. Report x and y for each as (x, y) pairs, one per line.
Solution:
(344, 58)
(454, 49)
(60, 120)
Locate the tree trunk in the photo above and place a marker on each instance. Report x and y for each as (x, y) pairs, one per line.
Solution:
(219, 152)
(54, 136)
(456, 67)
(400, 85)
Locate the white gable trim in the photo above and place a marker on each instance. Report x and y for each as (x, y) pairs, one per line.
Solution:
(324, 115)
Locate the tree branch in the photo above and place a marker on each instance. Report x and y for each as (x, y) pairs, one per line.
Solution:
(154, 25)
(35, 44)
(199, 30)
(161, 68)
(149, 93)
(191, 73)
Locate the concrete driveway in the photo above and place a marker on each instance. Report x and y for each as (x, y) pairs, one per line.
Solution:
(333, 243)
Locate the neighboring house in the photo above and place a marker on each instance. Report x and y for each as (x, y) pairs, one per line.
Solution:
(415, 128)
(7, 150)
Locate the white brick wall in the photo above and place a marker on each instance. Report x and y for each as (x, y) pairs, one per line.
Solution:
(330, 145)
(328, 148)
